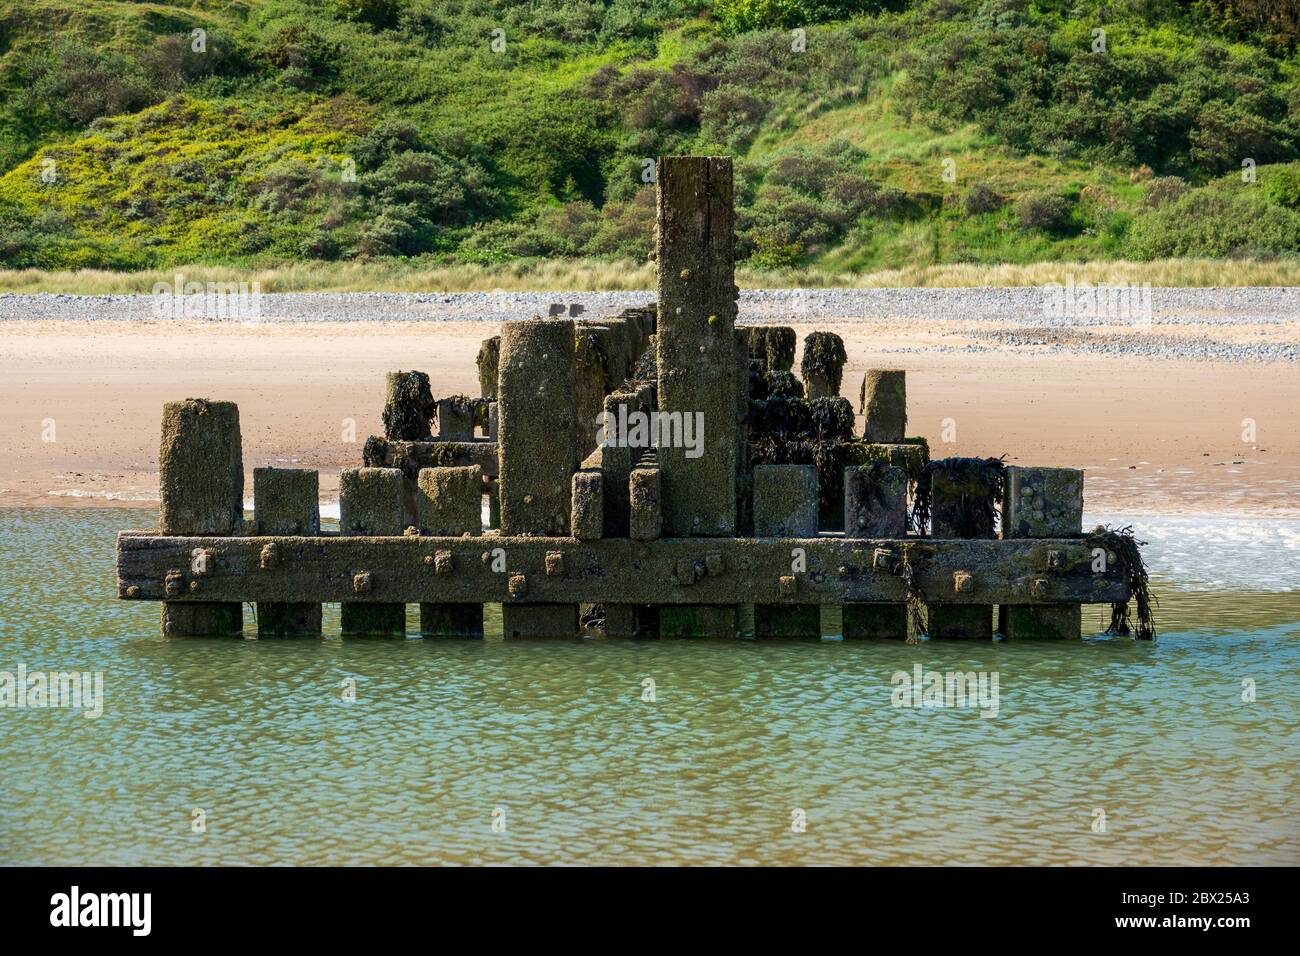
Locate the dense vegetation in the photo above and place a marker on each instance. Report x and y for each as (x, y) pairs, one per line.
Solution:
(867, 133)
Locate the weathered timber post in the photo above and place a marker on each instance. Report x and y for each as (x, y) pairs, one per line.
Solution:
(951, 517)
(455, 419)
(489, 354)
(785, 506)
(875, 506)
(588, 504)
(451, 503)
(408, 406)
(537, 441)
(645, 503)
(822, 365)
(591, 376)
(696, 355)
(201, 487)
(744, 455)
(286, 501)
(883, 400)
(1041, 503)
(696, 342)
(493, 490)
(370, 503)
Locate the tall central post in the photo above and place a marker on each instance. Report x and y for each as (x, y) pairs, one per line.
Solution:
(696, 346)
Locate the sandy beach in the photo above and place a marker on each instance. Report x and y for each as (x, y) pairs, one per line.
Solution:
(80, 400)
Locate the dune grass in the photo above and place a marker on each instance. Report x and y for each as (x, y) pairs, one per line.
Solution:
(598, 276)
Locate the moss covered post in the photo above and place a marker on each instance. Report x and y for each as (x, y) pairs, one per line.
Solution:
(1041, 503)
(450, 505)
(696, 342)
(875, 506)
(201, 489)
(537, 433)
(286, 502)
(785, 506)
(696, 352)
(952, 517)
(822, 366)
(883, 400)
(370, 503)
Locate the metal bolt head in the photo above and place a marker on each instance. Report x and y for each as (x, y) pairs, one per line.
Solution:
(1055, 560)
(173, 583)
(517, 585)
(442, 562)
(555, 564)
(685, 571)
(269, 557)
(963, 581)
(361, 582)
(133, 591)
(1038, 587)
(789, 584)
(194, 586)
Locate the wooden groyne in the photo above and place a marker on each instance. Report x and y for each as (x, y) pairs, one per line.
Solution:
(647, 474)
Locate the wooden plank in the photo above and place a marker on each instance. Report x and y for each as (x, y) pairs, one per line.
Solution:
(563, 570)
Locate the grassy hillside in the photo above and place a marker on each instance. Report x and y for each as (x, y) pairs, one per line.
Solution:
(868, 134)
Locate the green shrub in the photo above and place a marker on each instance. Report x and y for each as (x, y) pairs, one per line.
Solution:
(1280, 185)
(1215, 223)
(981, 198)
(1162, 190)
(1048, 212)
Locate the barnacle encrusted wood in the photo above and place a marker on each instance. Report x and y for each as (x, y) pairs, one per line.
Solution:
(286, 502)
(660, 468)
(696, 351)
(200, 468)
(201, 484)
(538, 426)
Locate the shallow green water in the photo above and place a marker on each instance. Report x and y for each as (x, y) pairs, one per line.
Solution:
(443, 735)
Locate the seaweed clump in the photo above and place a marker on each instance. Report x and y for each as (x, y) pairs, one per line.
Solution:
(792, 431)
(783, 385)
(824, 357)
(976, 512)
(408, 407)
(1127, 553)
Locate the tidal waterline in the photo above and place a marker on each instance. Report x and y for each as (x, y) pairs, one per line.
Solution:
(554, 743)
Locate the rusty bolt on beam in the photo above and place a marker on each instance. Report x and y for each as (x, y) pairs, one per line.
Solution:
(789, 584)
(361, 582)
(554, 564)
(173, 583)
(517, 585)
(963, 581)
(443, 563)
(269, 557)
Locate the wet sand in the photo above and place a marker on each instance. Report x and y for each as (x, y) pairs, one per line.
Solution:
(80, 404)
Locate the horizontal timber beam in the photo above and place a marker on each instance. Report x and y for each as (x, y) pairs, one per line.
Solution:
(411, 456)
(527, 570)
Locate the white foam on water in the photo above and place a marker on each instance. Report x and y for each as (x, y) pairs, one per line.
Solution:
(1215, 552)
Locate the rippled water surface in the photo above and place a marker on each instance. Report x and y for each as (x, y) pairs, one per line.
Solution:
(555, 740)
